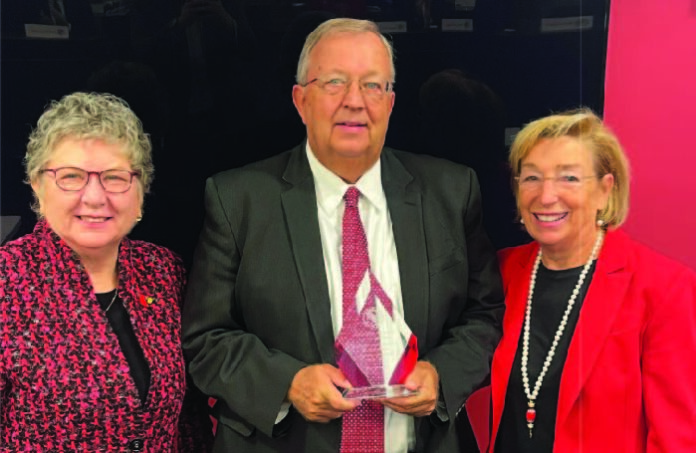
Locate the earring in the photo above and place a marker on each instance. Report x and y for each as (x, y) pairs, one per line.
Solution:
(138, 219)
(522, 221)
(600, 223)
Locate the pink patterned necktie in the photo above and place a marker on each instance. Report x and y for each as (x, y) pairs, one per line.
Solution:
(358, 350)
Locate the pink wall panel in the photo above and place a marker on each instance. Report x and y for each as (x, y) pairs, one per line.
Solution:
(650, 103)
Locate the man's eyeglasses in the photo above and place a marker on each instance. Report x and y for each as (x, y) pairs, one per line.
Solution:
(72, 179)
(567, 182)
(338, 85)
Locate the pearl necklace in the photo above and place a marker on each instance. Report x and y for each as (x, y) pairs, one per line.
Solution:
(532, 395)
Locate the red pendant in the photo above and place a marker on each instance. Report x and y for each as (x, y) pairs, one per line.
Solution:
(531, 415)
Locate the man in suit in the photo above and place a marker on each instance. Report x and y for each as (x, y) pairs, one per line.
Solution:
(263, 308)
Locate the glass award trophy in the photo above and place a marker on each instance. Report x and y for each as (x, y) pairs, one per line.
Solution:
(376, 350)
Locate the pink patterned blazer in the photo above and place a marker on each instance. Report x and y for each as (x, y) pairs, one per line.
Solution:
(65, 384)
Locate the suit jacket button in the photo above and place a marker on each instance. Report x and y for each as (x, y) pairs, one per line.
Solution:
(136, 445)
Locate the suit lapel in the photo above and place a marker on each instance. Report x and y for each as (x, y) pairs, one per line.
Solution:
(406, 212)
(405, 209)
(300, 208)
(598, 314)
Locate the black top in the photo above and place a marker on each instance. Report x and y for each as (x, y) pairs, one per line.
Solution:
(551, 293)
(120, 323)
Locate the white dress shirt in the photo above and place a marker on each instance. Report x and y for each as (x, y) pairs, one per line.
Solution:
(399, 432)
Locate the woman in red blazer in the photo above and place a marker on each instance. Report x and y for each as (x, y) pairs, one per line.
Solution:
(90, 351)
(599, 338)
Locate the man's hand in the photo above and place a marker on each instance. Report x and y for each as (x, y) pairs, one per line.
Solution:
(314, 394)
(425, 379)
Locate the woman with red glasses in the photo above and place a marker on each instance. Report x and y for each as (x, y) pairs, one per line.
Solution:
(90, 354)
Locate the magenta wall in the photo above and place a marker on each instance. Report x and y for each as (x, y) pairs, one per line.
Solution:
(650, 103)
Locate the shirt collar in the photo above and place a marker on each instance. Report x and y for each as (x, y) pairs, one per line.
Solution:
(330, 188)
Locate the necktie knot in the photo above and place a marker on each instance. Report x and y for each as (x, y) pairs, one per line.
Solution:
(351, 197)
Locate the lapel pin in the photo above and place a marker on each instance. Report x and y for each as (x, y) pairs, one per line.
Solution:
(146, 301)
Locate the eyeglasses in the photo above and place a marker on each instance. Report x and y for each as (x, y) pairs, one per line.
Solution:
(338, 85)
(72, 179)
(567, 182)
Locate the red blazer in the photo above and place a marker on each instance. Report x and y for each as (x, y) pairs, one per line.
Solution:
(65, 384)
(629, 381)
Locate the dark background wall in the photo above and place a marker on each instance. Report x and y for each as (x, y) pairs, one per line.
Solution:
(220, 97)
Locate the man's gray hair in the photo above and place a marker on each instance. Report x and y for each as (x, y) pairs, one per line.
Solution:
(340, 25)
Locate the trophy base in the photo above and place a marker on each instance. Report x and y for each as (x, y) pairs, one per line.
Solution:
(378, 392)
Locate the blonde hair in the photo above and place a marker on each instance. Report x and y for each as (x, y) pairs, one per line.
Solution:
(608, 155)
(334, 26)
(83, 116)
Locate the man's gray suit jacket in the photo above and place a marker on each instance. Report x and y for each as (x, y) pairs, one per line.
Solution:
(257, 308)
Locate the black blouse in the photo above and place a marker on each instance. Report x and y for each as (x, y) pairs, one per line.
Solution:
(121, 324)
(551, 293)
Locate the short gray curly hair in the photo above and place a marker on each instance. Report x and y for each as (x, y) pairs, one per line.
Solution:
(83, 116)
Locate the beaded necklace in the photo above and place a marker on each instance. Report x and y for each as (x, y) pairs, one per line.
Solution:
(532, 395)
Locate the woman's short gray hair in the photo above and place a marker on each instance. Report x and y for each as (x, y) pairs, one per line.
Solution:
(83, 116)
